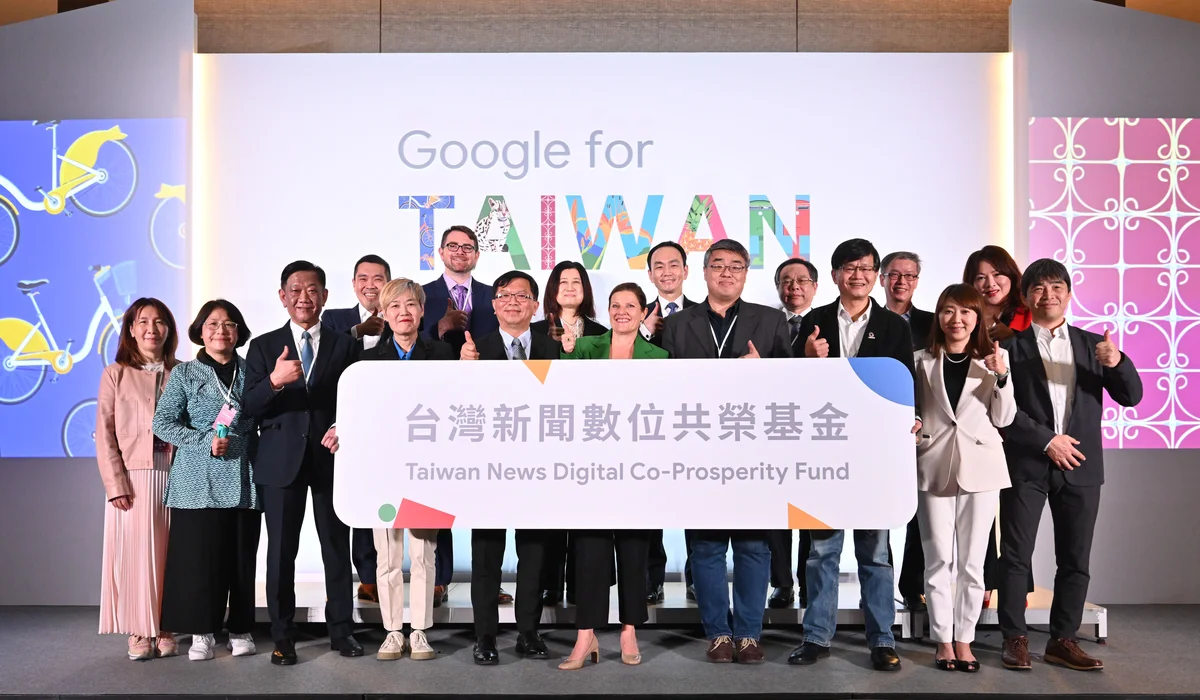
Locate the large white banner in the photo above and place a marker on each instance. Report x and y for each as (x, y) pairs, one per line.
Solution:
(764, 444)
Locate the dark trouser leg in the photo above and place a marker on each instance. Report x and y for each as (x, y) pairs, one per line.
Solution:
(803, 547)
(487, 556)
(444, 558)
(991, 566)
(1074, 509)
(193, 591)
(780, 544)
(531, 552)
(912, 571)
(334, 536)
(363, 553)
(656, 561)
(687, 563)
(1020, 513)
(283, 509)
(242, 562)
(552, 576)
(632, 549)
(593, 562)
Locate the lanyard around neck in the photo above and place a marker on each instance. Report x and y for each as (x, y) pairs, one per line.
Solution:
(721, 345)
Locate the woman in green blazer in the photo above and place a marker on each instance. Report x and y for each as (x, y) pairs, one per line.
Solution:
(594, 548)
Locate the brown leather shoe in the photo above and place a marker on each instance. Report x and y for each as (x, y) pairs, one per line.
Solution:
(749, 651)
(720, 650)
(504, 598)
(1016, 654)
(439, 596)
(1066, 652)
(368, 592)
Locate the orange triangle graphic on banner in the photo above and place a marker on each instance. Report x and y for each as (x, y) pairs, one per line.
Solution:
(540, 369)
(800, 520)
(416, 515)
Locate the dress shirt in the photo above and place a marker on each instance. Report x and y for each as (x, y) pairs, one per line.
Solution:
(315, 338)
(850, 332)
(663, 313)
(368, 341)
(526, 339)
(404, 354)
(451, 284)
(791, 315)
(1055, 348)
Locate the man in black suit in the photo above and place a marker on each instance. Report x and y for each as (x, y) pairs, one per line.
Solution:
(514, 301)
(796, 283)
(364, 323)
(901, 273)
(726, 326)
(1055, 453)
(666, 265)
(291, 389)
(853, 326)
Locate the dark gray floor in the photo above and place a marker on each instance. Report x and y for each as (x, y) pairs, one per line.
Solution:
(56, 651)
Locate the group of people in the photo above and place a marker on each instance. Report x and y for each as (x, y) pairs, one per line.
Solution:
(1008, 406)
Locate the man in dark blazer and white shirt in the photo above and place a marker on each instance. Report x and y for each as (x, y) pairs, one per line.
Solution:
(515, 302)
(364, 323)
(1054, 449)
(853, 326)
(291, 389)
(726, 326)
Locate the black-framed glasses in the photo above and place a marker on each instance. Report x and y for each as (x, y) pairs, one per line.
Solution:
(795, 282)
(505, 296)
(734, 269)
(851, 269)
(464, 247)
(906, 276)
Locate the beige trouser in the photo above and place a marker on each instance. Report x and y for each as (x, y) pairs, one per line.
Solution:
(389, 544)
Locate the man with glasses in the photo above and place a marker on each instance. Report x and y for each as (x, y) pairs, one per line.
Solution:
(796, 283)
(455, 304)
(901, 271)
(853, 326)
(725, 326)
(514, 301)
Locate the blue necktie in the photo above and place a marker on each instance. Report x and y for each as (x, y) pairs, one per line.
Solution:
(671, 308)
(306, 353)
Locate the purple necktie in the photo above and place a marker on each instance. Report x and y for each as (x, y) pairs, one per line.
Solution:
(460, 297)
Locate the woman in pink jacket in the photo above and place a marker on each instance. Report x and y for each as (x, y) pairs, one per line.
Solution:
(134, 467)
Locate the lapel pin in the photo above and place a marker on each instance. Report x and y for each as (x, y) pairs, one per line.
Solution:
(870, 336)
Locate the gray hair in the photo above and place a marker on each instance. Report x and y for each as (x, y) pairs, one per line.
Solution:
(730, 245)
(901, 255)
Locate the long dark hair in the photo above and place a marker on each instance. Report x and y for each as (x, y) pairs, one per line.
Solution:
(127, 350)
(999, 259)
(980, 344)
(550, 306)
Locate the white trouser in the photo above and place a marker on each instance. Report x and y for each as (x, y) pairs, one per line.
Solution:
(964, 520)
(389, 544)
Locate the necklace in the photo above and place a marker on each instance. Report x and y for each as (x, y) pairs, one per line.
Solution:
(954, 361)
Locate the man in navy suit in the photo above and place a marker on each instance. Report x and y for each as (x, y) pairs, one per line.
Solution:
(291, 389)
(364, 323)
(454, 304)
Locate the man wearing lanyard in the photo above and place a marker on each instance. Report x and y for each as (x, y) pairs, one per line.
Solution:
(725, 326)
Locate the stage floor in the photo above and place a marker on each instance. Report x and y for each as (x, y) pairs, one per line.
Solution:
(56, 651)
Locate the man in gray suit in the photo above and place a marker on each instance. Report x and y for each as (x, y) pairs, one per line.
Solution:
(725, 326)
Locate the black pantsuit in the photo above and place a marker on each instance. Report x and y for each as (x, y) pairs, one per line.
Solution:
(443, 558)
(780, 544)
(656, 559)
(558, 567)
(211, 558)
(594, 572)
(362, 552)
(1074, 509)
(487, 556)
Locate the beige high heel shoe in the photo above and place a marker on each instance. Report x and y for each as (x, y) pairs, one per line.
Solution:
(569, 664)
(631, 659)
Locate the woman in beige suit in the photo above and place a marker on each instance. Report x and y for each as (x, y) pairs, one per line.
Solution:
(134, 466)
(965, 397)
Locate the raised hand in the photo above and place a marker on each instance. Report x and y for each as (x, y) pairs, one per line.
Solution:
(371, 326)
(286, 371)
(330, 439)
(1107, 352)
(654, 321)
(556, 331)
(468, 351)
(815, 346)
(994, 362)
(454, 320)
(220, 445)
(567, 339)
(751, 351)
(1062, 452)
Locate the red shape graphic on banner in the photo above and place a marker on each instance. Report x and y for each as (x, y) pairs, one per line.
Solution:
(415, 515)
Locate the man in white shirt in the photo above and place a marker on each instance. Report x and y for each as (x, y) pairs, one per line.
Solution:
(1054, 449)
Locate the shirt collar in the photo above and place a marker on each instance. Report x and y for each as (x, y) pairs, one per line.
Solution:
(732, 311)
(298, 332)
(363, 314)
(843, 314)
(451, 284)
(525, 338)
(1047, 335)
(663, 301)
(791, 315)
(400, 350)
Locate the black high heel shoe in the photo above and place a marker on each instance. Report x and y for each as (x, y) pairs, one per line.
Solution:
(968, 666)
(946, 664)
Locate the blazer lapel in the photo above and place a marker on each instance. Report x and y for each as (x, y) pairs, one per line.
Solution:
(481, 297)
(699, 327)
(743, 330)
(1083, 365)
(419, 352)
(976, 374)
(832, 325)
(937, 382)
(1027, 340)
(325, 349)
(289, 342)
(869, 347)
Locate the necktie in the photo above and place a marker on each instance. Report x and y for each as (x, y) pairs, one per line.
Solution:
(518, 350)
(672, 307)
(306, 353)
(794, 326)
(460, 297)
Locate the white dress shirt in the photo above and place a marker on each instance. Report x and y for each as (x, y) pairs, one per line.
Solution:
(314, 334)
(368, 341)
(1055, 348)
(851, 332)
(526, 338)
(791, 315)
(662, 312)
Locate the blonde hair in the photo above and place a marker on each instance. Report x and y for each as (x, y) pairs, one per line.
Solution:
(399, 287)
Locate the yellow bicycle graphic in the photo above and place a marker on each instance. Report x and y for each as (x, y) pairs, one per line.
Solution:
(168, 225)
(97, 173)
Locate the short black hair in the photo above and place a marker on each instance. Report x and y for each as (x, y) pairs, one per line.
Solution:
(467, 230)
(730, 245)
(812, 269)
(854, 249)
(374, 260)
(509, 277)
(195, 330)
(300, 266)
(666, 244)
(1042, 271)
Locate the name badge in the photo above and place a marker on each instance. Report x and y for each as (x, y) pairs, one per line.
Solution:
(226, 417)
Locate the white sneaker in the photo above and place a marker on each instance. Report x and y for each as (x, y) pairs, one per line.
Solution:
(421, 651)
(393, 647)
(202, 647)
(241, 644)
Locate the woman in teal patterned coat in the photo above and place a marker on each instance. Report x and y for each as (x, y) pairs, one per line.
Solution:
(215, 523)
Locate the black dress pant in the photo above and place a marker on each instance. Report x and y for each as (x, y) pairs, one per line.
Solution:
(594, 572)
(780, 544)
(487, 556)
(284, 508)
(912, 571)
(1074, 510)
(444, 559)
(211, 557)
(558, 567)
(991, 566)
(656, 560)
(362, 547)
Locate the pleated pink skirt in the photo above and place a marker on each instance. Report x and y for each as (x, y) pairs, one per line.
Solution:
(135, 555)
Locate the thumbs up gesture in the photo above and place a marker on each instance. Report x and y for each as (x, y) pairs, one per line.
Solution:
(994, 362)
(454, 320)
(286, 371)
(468, 351)
(372, 326)
(751, 351)
(1107, 352)
(653, 321)
(815, 346)
(567, 338)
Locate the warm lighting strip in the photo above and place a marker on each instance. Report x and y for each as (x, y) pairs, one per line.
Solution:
(1004, 234)
(199, 196)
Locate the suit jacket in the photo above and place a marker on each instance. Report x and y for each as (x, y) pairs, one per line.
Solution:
(541, 347)
(344, 320)
(688, 334)
(886, 334)
(590, 327)
(597, 347)
(1033, 427)
(656, 304)
(798, 341)
(125, 406)
(920, 324)
(296, 417)
(961, 447)
(481, 321)
(423, 349)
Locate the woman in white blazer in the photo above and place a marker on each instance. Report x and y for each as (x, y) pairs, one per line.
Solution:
(965, 397)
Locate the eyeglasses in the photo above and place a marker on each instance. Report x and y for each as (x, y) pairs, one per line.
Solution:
(464, 247)
(795, 282)
(505, 296)
(734, 269)
(907, 276)
(213, 326)
(851, 269)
